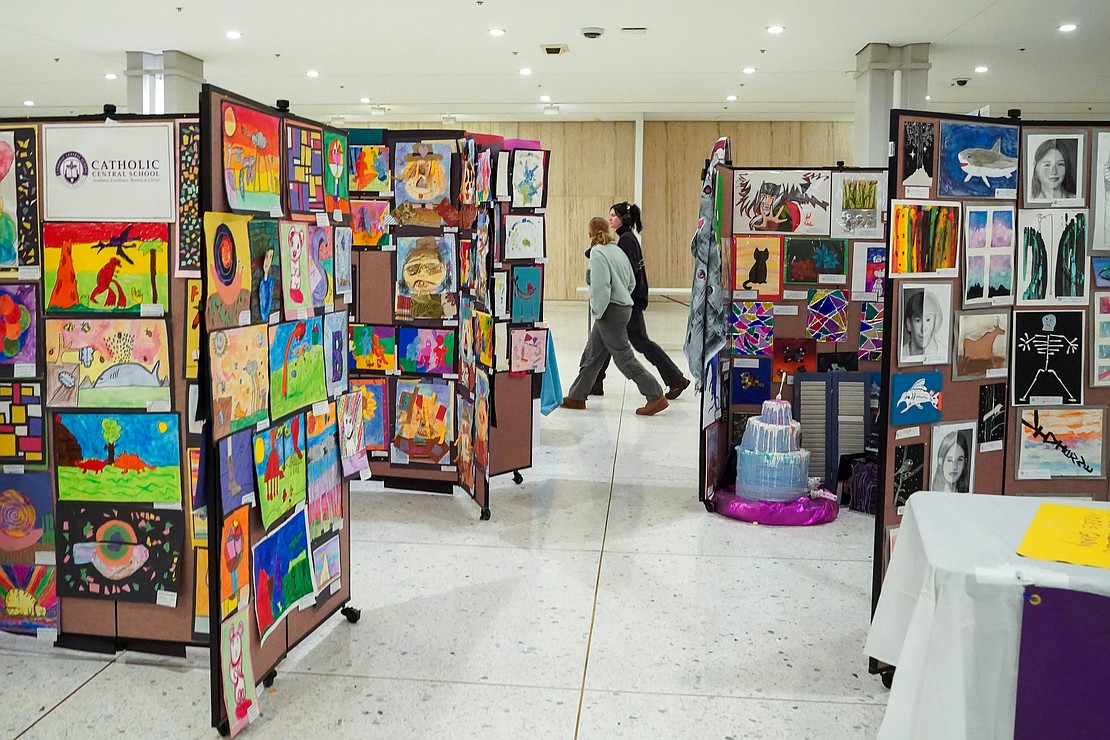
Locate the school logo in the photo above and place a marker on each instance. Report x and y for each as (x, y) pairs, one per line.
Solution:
(72, 169)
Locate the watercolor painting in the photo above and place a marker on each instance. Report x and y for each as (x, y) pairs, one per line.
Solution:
(1052, 258)
(425, 422)
(524, 236)
(375, 412)
(19, 193)
(265, 267)
(828, 316)
(373, 347)
(369, 220)
(757, 265)
(235, 569)
(19, 313)
(858, 205)
(228, 248)
(29, 594)
(335, 352)
(304, 168)
(343, 241)
(240, 378)
(321, 266)
(368, 169)
(280, 468)
(282, 573)
(988, 255)
(122, 458)
(337, 197)
(791, 201)
(429, 351)
(924, 238)
(527, 300)
(296, 366)
(105, 267)
(982, 344)
(977, 160)
(1061, 443)
(352, 445)
(325, 489)
(528, 178)
(528, 349)
(26, 516)
(236, 461)
(251, 159)
(426, 279)
(237, 672)
(752, 327)
(815, 262)
(296, 290)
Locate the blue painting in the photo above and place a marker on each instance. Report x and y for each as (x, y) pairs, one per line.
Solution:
(915, 398)
(751, 384)
(527, 300)
(977, 159)
(237, 470)
(335, 352)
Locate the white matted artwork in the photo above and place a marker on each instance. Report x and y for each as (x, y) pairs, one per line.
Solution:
(982, 344)
(1047, 362)
(529, 178)
(953, 457)
(988, 255)
(1100, 345)
(524, 236)
(925, 328)
(501, 177)
(1061, 442)
(1052, 258)
(1100, 194)
(858, 204)
(786, 201)
(501, 346)
(528, 350)
(1053, 172)
(868, 268)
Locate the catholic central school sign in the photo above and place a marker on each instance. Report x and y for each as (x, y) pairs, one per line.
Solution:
(109, 172)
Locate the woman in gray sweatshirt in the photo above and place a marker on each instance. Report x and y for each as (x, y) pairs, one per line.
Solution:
(612, 281)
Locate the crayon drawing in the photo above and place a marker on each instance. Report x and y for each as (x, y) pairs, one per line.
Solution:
(373, 347)
(352, 445)
(30, 597)
(423, 430)
(296, 366)
(335, 352)
(240, 378)
(26, 516)
(235, 569)
(251, 159)
(19, 314)
(429, 351)
(22, 434)
(280, 468)
(265, 283)
(375, 412)
(924, 238)
(336, 193)
(295, 282)
(282, 573)
(325, 490)
(529, 350)
(368, 220)
(321, 265)
(304, 168)
(368, 169)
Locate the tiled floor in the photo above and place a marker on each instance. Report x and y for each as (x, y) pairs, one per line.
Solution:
(601, 601)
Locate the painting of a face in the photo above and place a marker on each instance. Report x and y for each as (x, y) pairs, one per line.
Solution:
(423, 271)
(952, 465)
(1050, 170)
(424, 179)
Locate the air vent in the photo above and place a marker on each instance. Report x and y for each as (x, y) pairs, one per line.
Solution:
(639, 30)
(554, 50)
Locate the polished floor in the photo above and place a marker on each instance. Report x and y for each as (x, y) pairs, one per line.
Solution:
(601, 601)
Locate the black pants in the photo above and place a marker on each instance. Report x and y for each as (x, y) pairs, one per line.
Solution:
(641, 342)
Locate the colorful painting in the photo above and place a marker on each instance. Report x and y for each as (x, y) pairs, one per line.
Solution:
(757, 265)
(924, 238)
(368, 169)
(194, 289)
(237, 672)
(425, 280)
(105, 268)
(30, 597)
(791, 201)
(524, 236)
(424, 426)
(422, 173)
(235, 569)
(19, 222)
(483, 177)
(236, 457)
(1052, 258)
(280, 468)
(977, 160)
(916, 398)
(352, 445)
(982, 344)
(190, 230)
(988, 255)
(483, 337)
(751, 383)
(464, 453)
(1048, 361)
(752, 327)
(375, 412)
(501, 294)
(527, 301)
(19, 312)
(107, 363)
(871, 331)
(296, 366)
(304, 168)
(528, 349)
(325, 489)
(321, 266)
(794, 356)
(22, 435)
(528, 178)
(240, 378)
(265, 283)
(482, 402)
(336, 193)
(251, 159)
(1061, 443)
(373, 347)
(1100, 351)
(858, 205)
(482, 257)
(198, 509)
(118, 552)
(370, 222)
(327, 563)
(282, 573)
(344, 239)
(429, 351)
(868, 268)
(201, 613)
(828, 316)
(26, 516)
(925, 329)
(815, 262)
(295, 288)
(335, 352)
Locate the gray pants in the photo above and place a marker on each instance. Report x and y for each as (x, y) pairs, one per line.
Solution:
(609, 336)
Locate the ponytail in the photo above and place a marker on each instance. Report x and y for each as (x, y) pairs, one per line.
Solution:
(629, 214)
(599, 231)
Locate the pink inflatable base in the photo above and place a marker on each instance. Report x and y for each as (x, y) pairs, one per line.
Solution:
(801, 512)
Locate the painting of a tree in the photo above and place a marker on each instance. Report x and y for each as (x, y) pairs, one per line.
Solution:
(112, 431)
(917, 152)
(152, 247)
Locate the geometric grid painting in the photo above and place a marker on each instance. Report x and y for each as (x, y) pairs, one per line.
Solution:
(871, 331)
(828, 316)
(752, 325)
(22, 440)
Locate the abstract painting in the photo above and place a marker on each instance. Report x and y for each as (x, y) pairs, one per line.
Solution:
(368, 169)
(483, 177)
(280, 467)
(325, 489)
(953, 455)
(827, 316)
(982, 344)
(992, 413)
(22, 434)
(1061, 443)
(794, 356)
(527, 300)
(909, 472)
(422, 173)
(482, 402)
(369, 222)
(373, 347)
(235, 569)
(336, 193)
(121, 458)
(296, 366)
(871, 331)
(915, 398)
(105, 267)
(240, 378)
(201, 614)
(528, 350)
(868, 268)
(1100, 351)
(423, 431)
(1047, 352)
(19, 313)
(1053, 168)
(429, 351)
(924, 238)
(237, 672)
(335, 352)
(304, 168)
(757, 265)
(426, 280)
(321, 266)
(790, 201)
(295, 287)
(190, 234)
(524, 237)
(352, 445)
(265, 283)
(988, 255)
(251, 159)
(118, 552)
(236, 456)
(281, 571)
(29, 594)
(193, 291)
(26, 516)
(107, 363)
(815, 262)
(1052, 258)
(375, 412)
(501, 294)
(858, 205)
(925, 328)
(344, 240)
(751, 384)
(977, 160)
(20, 195)
(752, 327)
(483, 337)
(528, 178)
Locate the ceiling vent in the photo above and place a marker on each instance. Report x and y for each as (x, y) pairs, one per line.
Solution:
(554, 50)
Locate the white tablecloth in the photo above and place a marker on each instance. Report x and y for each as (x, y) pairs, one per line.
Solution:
(949, 614)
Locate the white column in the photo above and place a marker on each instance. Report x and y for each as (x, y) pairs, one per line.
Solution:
(163, 83)
(638, 163)
(183, 75)
(915, 76)
(874, 99)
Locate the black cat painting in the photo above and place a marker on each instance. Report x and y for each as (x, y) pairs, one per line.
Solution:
(757, 264)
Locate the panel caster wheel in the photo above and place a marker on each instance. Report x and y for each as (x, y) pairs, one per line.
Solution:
(708, 506)
(517, 477)
(887, 676)
(269, 678)
(352, 614)
(224, 729)
(485, 515)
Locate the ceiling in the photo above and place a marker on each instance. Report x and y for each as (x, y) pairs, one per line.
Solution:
(423, 60)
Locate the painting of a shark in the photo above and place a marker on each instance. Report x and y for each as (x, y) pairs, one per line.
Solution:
(987, 163)
(977, 159)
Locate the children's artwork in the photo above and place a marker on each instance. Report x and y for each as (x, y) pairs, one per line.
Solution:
(500, 349)
(281, 571)
(915, 398)
(201, 613)
(335, 352)
(240, 698)
(982, 344)
(375, 412)
(1100, 351)
(992, 413)
(193, 291)
(524, 236)
(190, 233)
(344, 285)
(527, 302)
(924, 331)
(107, 363)
(1053, 169)
(229, 269)
(296, 366)
(483, 338)
(429, 351)
(1052, 258)
(757, 265)
(121, 458)
(828, 316)
(713, 383)
(752, 383)
(369, 221)
(918, 144)
(1047, 356)
(368, 169)
(19, 195)
(265, 283)
(279, 467)
(482, 402)
(988, 255)
(236, 459)
(858, 205)
(325, 489)
(1100, 194)
(529, 350)
(336, 194)
(924, 238)
(425, 280)
(793, 356)
(871, 331)
(22, 435)
(752, 327)
(422, 173)
(1100, 272)
(529, 178)
(321, 265)
(977, 160)
(482, 257)
(26, 516)
(295, 286)
(501, 294)
(352, 444)
(909, 472)
(837, 362)
(424, 427)
(373, 347)
(464, 455)
(327, 563)
(1061, 443)
(251, 159)
(117, 552)
(19, 312)
(105, 268)
(240, 378)
(953, 457)
(304, 168)
(29, 594)
(868, 268)
(483, 177)
(815, 262)
(501, 177)
(792, 201)
(235, 568)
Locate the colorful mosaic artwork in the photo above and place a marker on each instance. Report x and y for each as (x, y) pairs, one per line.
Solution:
(828, 316)
(752, 325)
(871, 331)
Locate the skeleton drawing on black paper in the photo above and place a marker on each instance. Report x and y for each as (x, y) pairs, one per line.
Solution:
(1052, 353)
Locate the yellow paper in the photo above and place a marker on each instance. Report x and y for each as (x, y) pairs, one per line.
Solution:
(1069, 534)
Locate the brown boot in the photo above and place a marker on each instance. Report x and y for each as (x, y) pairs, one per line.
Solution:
(571, 403)
(653, 406)
(677, 387)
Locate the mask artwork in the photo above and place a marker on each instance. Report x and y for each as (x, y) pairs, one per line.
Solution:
(351, 434)
(296, 290)
(426, 281)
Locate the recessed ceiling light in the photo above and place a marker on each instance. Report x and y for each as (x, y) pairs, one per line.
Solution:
(749, 70)
(364, 100)
(313, 73)
(775, 29)
(1067, 28)
(545, 98)
(928, 97)
(730, 98)
(28, 102)
(982, 68)
(497, 32)
(110, 75)
(526, 71)
(233, 35)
